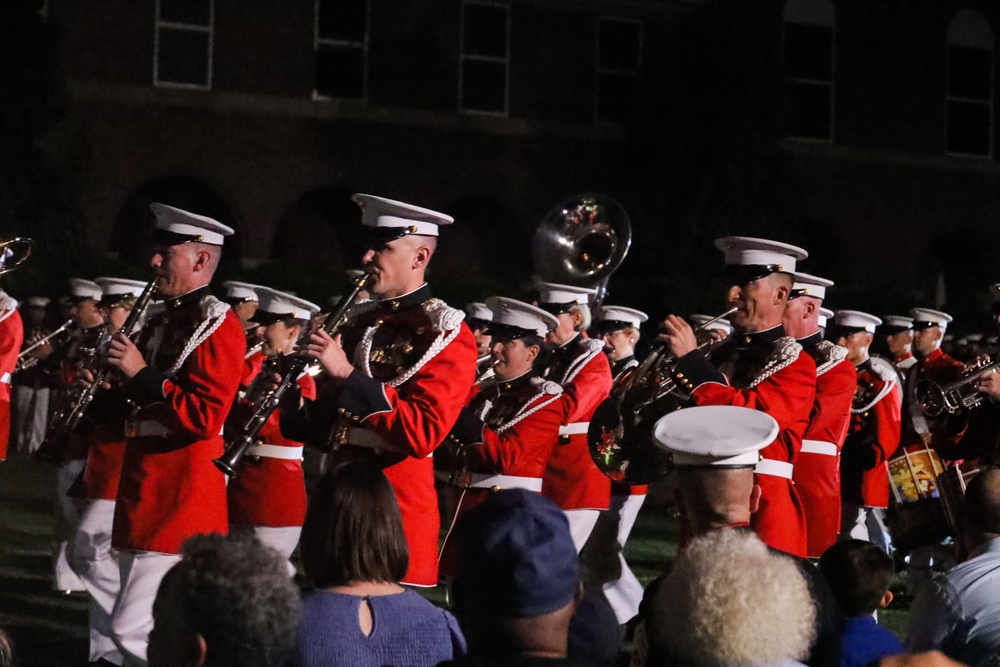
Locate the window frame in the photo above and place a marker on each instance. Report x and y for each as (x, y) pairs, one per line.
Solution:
(948, 98)
(463, 56)
(831, 83)
(158, 23)
(598, 70)
(326, 41)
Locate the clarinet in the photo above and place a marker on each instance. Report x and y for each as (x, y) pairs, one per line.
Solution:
(237, 448)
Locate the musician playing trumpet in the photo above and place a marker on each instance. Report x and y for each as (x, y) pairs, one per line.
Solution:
(758, 367)
(272, 468)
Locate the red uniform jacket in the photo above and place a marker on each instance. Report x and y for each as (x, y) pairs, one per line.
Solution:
(817, 472)
(170, 489)
(946, 431)
(268, 491)
(11, 337)
(104, 434)
(572, 479)
(767, 373)
(415, 363)
(873, 437)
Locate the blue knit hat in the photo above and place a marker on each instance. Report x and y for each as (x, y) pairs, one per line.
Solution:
(515, 556)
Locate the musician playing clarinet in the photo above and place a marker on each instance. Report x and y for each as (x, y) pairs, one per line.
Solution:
(400, 373)
(758, 367)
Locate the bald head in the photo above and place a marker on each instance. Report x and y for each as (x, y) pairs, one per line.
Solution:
(715, 497)
(982, 507)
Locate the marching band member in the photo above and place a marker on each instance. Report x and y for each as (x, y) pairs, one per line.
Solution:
(181, 376)
(400, 373)
(477, 316)
(706, 322)
(817, 469)
(873, 435)
(268, 493)
(898, 331)
(11, 337)
(244, 300)
(825, 315)
(572, 480)
(30, 400)
(507, 431)
(759, 367)
(89, 552)
(618, 327)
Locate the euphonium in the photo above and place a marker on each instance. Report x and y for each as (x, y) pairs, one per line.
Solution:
(620, 436)
(267, 402)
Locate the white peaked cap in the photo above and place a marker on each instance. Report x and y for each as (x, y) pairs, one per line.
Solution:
(478, 311)
(744, 250)
(38, 301)
(699, 320)
(120, 286)
(974, 337)
(179, 221)
(898, 321)
(715, 435)
(554, 293)
(513, 313)
(84, 289)
(855, 319)
(234, 289)
(824, 315)
(382, 212)
(810, 285)
(629, 316)
(283, 303)
(930, 317)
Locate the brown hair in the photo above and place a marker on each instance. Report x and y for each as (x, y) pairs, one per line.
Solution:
(353, 531)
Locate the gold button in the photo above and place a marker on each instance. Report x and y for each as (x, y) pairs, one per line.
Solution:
(394, 304)
(341, 411)
(495, 488)
(379, 322)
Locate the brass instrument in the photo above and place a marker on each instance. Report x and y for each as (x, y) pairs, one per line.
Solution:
(266, 402)
(68, 421)
(24, 361)
(620, 436)
(582, 241)
(14, 253)
(958, 396)
(484, 368)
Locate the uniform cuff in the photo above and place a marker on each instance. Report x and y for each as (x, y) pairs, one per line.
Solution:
(693, 370)
(362, 396)
(147, 386)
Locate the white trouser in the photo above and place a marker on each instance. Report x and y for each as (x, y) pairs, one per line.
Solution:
(132, 616)
(96, 563)
(581, 524)
(283, 539)
(865, 523)
(30, 417)
(67, 517)
(625, 593)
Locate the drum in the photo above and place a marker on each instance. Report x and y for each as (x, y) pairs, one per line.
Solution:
(951, 485)
(917, 516)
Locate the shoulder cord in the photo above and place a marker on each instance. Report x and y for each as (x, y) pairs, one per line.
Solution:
(201, 334)
(521, 416)
(775, 363)
(364, 350)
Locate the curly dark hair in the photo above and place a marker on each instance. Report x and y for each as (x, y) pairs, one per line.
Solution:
(237, 594)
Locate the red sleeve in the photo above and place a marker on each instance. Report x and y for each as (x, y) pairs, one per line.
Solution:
(11, 338)
(889, 419)
(528, 442)
(201, 397)
(587, 389)
(832, 411)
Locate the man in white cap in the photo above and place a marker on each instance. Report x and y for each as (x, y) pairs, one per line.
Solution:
(817, 470)
(898, 331)
(760, 367)
(89, 553)
(243, 299)
(945, 432)
(873, 435)
(572, 479)
(273, 468)
(618, 327)
(180, 378)
(478, 317)
(825, 315)
(414, 363)
(505, 435)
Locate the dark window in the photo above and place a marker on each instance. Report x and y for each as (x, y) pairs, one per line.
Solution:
(969, 98)
(485, 57)
(619, 56)
(808, 69)
(184, 43)
(968, 128)
(341, 49)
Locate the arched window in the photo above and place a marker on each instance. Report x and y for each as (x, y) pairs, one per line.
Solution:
(969, 96)
(808, 60)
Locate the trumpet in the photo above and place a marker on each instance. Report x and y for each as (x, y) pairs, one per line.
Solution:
(268, 401)
(958, 396)
(620, 436)
(24, 361)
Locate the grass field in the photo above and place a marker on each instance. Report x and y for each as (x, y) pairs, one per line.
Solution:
(50, 628)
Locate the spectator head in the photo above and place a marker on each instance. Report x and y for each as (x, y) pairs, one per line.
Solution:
(714, 450)
(858, 574)
(6, 650)
(981, 511)
(229, 601)
(730, 601)
(353, 531)
(516, 579)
